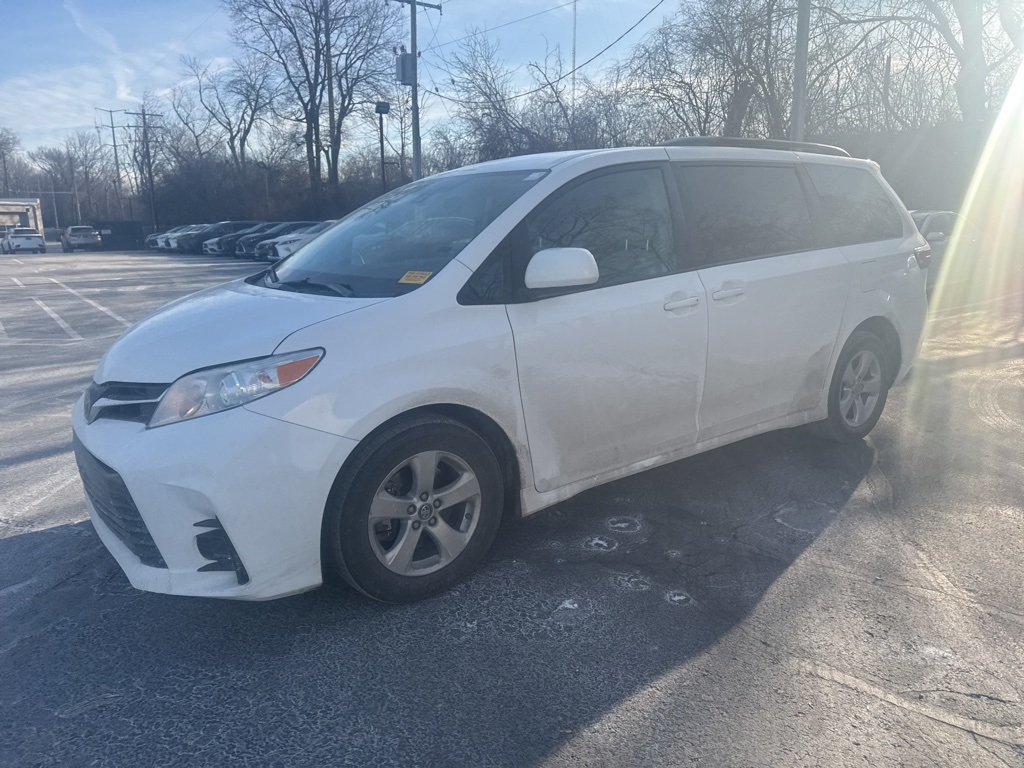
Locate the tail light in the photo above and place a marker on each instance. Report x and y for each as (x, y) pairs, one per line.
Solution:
(923, 254)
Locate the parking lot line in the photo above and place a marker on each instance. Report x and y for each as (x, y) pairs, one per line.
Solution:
(89, 301)
(3, 331)
(59, 320)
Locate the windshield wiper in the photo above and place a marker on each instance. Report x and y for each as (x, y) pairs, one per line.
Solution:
(338, 289)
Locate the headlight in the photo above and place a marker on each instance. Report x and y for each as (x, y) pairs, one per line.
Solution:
(287, 242)
(229, 386)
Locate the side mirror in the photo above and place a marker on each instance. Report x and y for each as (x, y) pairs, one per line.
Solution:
(935, 237)
(561, 268)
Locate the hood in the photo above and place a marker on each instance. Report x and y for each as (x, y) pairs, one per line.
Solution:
(236, 321)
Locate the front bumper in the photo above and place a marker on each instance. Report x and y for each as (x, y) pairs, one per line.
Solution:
(261, 481)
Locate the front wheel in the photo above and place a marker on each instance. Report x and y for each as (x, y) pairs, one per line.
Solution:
(415, 510)
(859, 388)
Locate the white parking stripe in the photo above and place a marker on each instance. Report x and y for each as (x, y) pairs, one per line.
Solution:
(3, 332)
(100, 307)
(18, 261)
(57, 319)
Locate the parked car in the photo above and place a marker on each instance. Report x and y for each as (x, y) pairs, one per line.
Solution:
(192, 242)
(170, 241)
(283, 246)
(22, 240)
(569, 330)
(153, 240)
(265, 248)
(245, 248)
(82, 237)
(225, 244)
(939, 229)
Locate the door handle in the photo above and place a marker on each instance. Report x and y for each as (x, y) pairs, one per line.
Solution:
(727, 293)
(693, 301)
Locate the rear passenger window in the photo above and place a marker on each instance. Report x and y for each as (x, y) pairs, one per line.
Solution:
(858, 209)
(744, 212)
(622, 218)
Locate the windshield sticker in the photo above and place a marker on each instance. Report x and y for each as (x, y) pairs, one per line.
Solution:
(535, 176)
(415, 278)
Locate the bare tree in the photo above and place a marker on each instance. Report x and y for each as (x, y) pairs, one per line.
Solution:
(326, 53)
(9, 144)
(236, 98)
(976, 37)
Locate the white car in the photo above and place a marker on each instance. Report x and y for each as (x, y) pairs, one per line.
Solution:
(552, 323)
(23, 240)
(169, 239)
(283, 246)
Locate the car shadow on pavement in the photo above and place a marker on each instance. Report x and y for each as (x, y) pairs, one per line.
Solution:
(579, 608)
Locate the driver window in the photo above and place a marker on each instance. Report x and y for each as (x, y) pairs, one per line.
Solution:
(622, 218)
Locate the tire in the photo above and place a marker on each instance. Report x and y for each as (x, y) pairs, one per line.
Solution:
(398, 556)
(859, 388)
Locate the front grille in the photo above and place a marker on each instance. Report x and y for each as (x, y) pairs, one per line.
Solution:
(115, 507)
(123, 401)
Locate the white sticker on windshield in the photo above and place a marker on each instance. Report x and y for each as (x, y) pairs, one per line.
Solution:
(535, 176)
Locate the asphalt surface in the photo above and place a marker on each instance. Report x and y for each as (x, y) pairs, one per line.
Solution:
(781, 601)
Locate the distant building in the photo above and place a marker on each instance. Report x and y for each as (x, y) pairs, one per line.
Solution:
(21, 212)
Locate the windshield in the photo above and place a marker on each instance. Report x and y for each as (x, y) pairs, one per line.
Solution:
(25, 232)
(398, 242)
(82, 230)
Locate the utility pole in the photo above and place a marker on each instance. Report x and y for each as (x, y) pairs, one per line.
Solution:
(572, 102)
(117, 163)
(53, 193)
(74, 188)
(803, 32)
(147, 157)
(414, 82)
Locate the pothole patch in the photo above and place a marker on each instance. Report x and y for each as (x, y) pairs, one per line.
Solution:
(805, 516)
(601, 544)
(631, 582)
(678, 597)
(624, 525)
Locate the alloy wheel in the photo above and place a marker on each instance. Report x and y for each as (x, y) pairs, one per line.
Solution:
(424, 514)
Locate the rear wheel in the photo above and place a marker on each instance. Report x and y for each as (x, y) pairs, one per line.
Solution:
(859, 388)
(415, 510)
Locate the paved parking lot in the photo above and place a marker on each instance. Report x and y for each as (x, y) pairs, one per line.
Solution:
(777, 602)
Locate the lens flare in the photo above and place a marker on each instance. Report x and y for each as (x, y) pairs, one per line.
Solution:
(969, 371)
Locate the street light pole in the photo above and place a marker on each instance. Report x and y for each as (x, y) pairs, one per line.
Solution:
(382, 109)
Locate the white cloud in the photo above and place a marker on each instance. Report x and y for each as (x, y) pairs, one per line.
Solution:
(119, 68)
(42, 108)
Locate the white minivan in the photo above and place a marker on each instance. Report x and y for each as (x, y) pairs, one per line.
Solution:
(494, 339)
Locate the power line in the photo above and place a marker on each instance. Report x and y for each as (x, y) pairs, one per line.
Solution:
(506, 24)
(558, 79)
(202, 24)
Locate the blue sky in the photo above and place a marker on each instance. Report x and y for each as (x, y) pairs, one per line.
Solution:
(62, 58)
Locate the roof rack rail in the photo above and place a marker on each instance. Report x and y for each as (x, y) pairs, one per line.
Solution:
(725, 141)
